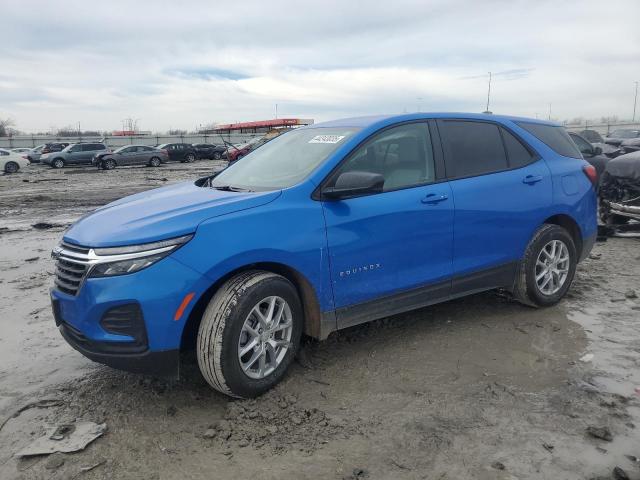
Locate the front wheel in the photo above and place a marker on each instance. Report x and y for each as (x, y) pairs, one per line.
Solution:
(217, 155)
(58, 163)
(11, 167)
(190, 158)
(109, 164)
(249, 334)
(548, 267)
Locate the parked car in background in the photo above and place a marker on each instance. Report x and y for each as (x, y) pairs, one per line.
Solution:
(618, 136)
(620, 190)
(591, 153)
(210, 151)
(629, 146)
(386, 214)
(591, 136)
(11, 162)
(180, 152)
(20, 150)
(74, 154)
(235, 153)
(130, 155)
(55, 147)
(34, 155)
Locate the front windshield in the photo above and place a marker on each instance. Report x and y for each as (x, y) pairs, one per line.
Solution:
(624, 134)
(119, 149)
(284, 161)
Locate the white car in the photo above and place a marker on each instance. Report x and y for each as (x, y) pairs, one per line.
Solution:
(11, 162)
(20, 150)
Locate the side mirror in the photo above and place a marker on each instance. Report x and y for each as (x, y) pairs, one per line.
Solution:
(597, 151)
(353, 184)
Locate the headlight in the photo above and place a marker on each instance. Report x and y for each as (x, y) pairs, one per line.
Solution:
(111, 261)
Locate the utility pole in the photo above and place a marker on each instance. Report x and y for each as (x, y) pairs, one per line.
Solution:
(276, 110)
(635, 100)
(488, 94)
(549, 112)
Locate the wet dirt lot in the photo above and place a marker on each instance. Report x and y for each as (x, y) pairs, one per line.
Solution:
(479, 388)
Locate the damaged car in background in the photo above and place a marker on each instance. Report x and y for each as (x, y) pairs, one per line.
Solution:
(620, 191)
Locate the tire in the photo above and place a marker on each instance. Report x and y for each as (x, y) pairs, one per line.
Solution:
(222, 331)
(109, 164)
(190, 158)
(217, 155)
(11, 167)
(154, 162)
(527, 289)
(57, 163)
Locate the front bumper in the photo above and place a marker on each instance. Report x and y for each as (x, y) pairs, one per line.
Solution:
(157, 292)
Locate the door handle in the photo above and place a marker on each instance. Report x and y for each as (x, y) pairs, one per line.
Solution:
(531, 179)
(434, 199)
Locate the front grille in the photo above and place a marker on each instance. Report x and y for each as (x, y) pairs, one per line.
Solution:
(72, 264)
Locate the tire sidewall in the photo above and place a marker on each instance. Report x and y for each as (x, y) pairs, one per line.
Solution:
(155, 162)
(237, 381)
(553, 233)
(58, 163)
(9, 167)
(109, 164)
(217, 156)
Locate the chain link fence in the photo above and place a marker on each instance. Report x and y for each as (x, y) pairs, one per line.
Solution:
(31, 141)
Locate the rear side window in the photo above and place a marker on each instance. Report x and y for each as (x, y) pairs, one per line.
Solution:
(472, 148)
(553, 137)
(517, 154)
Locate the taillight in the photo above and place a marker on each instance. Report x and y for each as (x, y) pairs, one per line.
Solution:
(591, 173)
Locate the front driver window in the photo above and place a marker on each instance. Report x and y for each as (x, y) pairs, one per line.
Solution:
(402, 155)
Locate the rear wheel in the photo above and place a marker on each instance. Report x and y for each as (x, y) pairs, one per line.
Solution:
(11, 167)
(548, 267)
(154, 162)
(58, 163)
(249, 334)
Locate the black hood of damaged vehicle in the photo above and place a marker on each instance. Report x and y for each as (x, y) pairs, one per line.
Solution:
(625, 166)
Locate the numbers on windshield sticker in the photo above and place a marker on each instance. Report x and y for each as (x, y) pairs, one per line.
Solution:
(326, 139)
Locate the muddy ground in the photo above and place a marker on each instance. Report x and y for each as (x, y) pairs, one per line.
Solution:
(479, 388)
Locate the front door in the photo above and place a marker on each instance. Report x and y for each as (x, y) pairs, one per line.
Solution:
(393, 246)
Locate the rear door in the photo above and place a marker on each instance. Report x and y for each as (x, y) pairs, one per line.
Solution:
(391, 250)
(501, 189)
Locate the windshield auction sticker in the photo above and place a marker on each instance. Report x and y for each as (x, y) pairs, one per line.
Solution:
(326, 139)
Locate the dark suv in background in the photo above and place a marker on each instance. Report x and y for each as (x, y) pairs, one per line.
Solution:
(210, 151)
(180, 152)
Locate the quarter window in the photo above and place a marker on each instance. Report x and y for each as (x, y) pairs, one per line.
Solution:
(472, 148)
(554, 137)
(402, 155)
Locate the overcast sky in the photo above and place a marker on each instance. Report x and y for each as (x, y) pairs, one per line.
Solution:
(179, 64)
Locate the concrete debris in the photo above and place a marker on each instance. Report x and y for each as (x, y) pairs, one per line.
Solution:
(602, 433)
(65, 439)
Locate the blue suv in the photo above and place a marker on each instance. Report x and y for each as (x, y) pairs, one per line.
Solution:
(324, 227)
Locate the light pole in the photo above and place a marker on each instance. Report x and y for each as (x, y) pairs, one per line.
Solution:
(635, 100)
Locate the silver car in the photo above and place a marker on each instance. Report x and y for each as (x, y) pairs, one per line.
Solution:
(131, 155)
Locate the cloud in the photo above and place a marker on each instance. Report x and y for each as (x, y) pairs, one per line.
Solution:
(180, 64)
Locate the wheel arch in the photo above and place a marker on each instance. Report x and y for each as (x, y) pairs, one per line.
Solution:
(306, 292)
(568, 223)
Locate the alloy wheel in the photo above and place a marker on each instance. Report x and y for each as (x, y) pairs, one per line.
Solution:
(265, 337)
(552, 267)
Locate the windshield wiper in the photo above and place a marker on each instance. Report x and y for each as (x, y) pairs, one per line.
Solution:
(230, 188)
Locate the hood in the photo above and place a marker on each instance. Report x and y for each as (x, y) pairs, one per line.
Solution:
(158, 214)
(625, 166)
